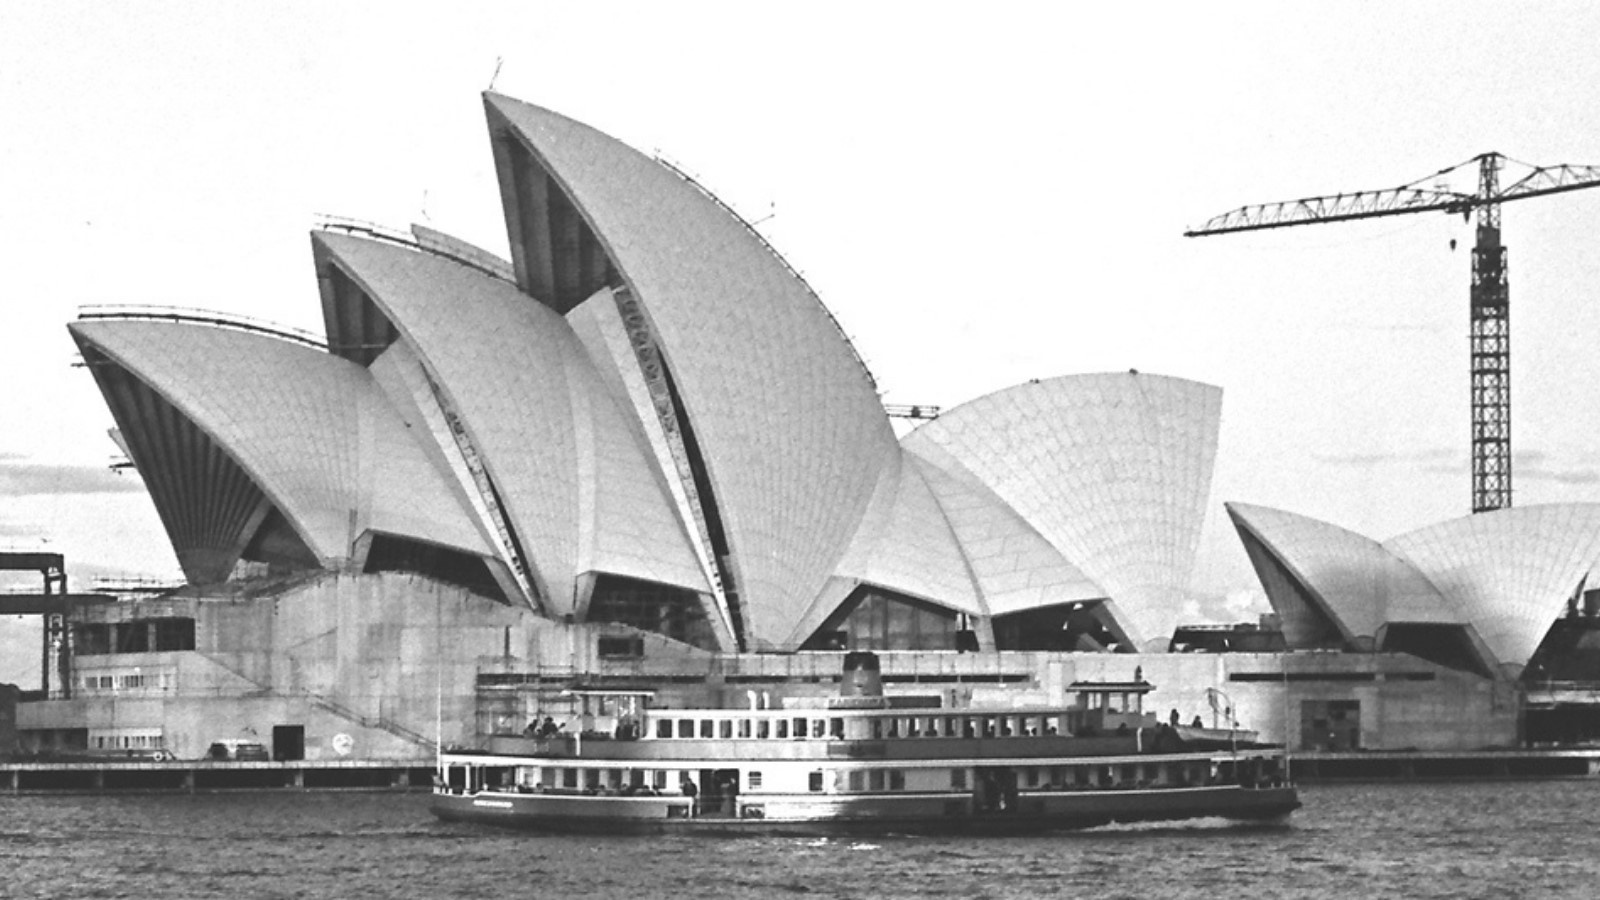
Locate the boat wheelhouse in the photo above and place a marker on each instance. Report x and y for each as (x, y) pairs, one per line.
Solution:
(858, 762)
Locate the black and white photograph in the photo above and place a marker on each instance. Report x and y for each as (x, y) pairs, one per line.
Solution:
(719, 449)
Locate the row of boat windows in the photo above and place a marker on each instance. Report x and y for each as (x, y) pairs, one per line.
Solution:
(874, 728)
(799, 728)
(669, 781)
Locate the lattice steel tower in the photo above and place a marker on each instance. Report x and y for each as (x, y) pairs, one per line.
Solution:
(1491, 352)
(1490, 307)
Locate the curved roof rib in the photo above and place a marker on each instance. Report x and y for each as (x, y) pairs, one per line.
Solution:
(1113, 470)
(1510, 571)
(357, 330)
(573, 478)
(789, 426)
(602, 327)
(309, 430)
(209, 506)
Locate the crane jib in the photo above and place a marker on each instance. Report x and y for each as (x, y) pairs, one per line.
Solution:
(1490, 293)
(1403, 200)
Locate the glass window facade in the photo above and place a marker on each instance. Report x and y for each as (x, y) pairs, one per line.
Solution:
(1067, 626)
(674, 612)
(873, 619)
(162, 635)
(396, 554)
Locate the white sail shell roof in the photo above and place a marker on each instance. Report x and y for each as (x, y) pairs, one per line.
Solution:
(1112, 469)
(1014, 567)
(1510, 571)
(760, 429)
(908, 547)
(576, 480)
(1361, 584)
(312, 430)
(790, 426)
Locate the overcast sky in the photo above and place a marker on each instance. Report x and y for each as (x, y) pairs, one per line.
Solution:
(982, 194)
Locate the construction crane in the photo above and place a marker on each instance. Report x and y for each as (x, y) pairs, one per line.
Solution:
(1489, 297)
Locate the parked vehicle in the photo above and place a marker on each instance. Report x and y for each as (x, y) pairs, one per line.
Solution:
(240, 751)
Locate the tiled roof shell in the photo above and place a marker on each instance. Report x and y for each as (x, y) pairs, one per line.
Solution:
(793, 435)
(1511, 571)
(645, 381)
(581, 490)
(1113, 470)
(313, 431)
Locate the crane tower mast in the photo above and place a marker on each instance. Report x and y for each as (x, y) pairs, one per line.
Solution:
(1489, 298)
(1490, 329)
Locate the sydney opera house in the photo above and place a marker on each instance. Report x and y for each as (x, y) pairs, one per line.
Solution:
(643, 449)
(1506, 595)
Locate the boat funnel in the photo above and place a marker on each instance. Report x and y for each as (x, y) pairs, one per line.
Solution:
(862, 677)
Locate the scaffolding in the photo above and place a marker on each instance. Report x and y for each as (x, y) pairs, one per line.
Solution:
(52, 604)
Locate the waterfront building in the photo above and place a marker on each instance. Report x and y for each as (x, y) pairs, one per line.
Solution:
(1505, 595)
(642, 449)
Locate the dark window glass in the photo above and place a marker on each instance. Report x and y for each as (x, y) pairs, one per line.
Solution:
(91, 638)
(131, 637)
(396, 554)
(662, 609)
(175, 634)
(621, 648)
(872, 619)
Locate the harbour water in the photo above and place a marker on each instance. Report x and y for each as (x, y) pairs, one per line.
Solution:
(1502, 839)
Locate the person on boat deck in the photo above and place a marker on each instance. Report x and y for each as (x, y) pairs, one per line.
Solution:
(1173, 719)
(686, 784)
(548, 728)
(1198, 723)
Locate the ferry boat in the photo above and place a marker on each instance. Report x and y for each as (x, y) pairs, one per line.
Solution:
(859, 763)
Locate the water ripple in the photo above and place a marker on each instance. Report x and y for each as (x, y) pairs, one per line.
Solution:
(1372, 841)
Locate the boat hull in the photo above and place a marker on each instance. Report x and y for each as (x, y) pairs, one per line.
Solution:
(928, 814)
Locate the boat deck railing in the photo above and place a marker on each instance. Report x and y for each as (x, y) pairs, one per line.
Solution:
(821, 666)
